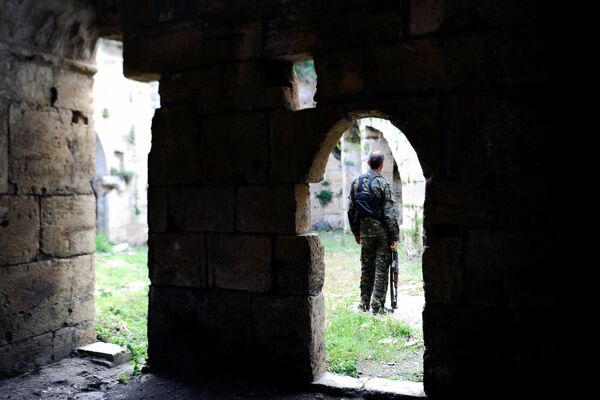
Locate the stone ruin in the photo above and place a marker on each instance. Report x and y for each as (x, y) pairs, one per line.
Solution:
(236, 278)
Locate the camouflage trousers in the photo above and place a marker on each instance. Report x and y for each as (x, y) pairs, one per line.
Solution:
(375, 260)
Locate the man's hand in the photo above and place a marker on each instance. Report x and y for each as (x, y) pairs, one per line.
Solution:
(394, 246)
(357, 238)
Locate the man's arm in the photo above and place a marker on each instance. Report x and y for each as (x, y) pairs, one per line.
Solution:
(354, 226)
(390, 213)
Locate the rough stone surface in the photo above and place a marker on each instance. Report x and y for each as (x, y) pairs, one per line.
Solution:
(201, 209)
(172, 159)
(241, 139)
(240, 262)
(3, 147)
(68, 225)
(19, 229)
(177, 259)
(49, 153)
(147, 56)
(202, 87)
(49, 311)
(157, 208)
(299, 265)
(278, 209)
(290, 328)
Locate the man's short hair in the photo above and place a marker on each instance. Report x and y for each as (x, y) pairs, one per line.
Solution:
(376, 159)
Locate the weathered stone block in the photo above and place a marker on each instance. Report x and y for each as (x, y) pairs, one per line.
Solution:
(243, 99)
(173, 156)
(520, 56)
(512, 268)
(19, 229)
(202, 87)
(240, 262)
(157, 208)
(340, 74)
(429, 16)
(3, 147)
(43, 296)
(202, 209)
(466, 343)
(241, 142)
(73, 91)
(501, 138)
(26, 355)
(298, 266)
(530, 203)
(68, 339)
(25, 81)
(289, 330)
(273, 209)
(231, 331)
(301, 142)
(443, 269)
(49, 153)
(463, 203)
(356, 30)
(233, 40)
(177, 259)
(146, 56)
(68, 225)
(457, 62)
(173, 335)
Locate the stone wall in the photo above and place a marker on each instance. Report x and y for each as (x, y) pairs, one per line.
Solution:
(235, 279)
(123, 111)
(47, 207)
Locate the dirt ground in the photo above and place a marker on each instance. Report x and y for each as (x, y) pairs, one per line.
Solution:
(81, 379)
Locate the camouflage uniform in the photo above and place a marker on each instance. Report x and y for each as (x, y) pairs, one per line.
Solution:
(376, 237)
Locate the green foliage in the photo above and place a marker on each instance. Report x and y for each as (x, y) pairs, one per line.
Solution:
(123, 377)
(305, 70)
(138, 211)
(126, 175)
(105, 113)
(122, 301)
(131, 136)
(325, 196)
(102, 244)
(326, 183)
(352, 336)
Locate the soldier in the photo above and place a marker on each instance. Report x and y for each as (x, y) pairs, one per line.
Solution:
(373, 217)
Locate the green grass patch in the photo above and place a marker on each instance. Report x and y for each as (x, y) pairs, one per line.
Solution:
(353, 336)
(102, 244)
(122, 301)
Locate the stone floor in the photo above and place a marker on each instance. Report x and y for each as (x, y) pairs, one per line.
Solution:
(82, 379)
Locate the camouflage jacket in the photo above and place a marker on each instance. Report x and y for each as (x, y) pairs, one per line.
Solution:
(369, 227)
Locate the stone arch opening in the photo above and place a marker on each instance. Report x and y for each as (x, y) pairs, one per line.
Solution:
(362, 136)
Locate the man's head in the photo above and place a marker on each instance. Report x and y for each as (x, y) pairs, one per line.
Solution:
(376, 160)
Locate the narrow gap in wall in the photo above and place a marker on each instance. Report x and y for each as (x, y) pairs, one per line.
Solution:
(305, 83)
(359, 343)
(123, 111)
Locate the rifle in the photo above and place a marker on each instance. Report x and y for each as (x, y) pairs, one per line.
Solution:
(394, 280)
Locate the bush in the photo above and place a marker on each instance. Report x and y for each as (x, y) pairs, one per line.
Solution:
(102, 244)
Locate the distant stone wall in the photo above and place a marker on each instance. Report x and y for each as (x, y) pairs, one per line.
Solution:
(123, 111)
(46, 166)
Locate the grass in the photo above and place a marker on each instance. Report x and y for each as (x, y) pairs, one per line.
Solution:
(122, 300)
(352, 339)
(355, 339)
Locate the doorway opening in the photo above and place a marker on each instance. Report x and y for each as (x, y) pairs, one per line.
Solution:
(361, 344)
(123, 111)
